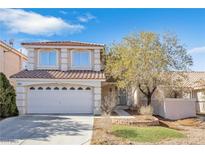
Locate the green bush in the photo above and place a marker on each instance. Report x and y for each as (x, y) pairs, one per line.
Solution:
(7, 98)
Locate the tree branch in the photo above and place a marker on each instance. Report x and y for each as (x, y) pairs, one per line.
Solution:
(153, 90)
(142, 90)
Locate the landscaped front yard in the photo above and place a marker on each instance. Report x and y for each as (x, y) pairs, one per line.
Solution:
(184, 132)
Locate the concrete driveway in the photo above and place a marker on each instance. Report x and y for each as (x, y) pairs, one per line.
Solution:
(46, 129)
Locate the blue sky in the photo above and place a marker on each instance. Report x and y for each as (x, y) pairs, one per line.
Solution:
(105, 26)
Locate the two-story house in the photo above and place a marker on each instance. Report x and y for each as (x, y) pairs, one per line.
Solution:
(11, 60)
(67, 77)
(61, 77)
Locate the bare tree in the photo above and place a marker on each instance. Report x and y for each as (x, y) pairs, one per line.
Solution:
(108, 104)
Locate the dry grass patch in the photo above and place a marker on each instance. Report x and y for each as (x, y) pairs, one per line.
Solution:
(189, 122)
(181, 124)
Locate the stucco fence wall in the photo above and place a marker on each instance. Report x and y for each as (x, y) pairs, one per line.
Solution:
(158, 108)
(175, 108)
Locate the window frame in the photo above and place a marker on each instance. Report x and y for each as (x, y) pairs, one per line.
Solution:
(48, 66)
(87, 67)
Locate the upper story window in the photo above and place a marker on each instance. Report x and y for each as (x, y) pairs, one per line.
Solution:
(81, 59)
(48, 58)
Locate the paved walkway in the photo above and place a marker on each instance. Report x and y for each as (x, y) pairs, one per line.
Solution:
(46, 129)
(121, 112)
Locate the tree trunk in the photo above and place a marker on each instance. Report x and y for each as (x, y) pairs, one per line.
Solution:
(148, 94)
(149, 99)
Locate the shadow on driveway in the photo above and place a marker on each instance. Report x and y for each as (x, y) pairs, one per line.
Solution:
(41, 127)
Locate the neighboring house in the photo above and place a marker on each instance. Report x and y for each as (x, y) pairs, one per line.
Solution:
(62, 77)
(195, 84)
(11, 60)
(184, 102)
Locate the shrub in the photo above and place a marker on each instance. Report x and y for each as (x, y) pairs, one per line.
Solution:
(135, 108)
(146, 110)
(108, 104)
(7, 98)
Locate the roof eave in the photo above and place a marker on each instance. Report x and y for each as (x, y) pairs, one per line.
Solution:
(63, 47)
(13, 50)
(50, 79)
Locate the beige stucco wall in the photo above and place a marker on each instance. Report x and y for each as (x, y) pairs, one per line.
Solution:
(175, 108)
(10, 62)
(200, 100)
(158, 107)
(24, 84)
(179, 108)
(64, 58)
(170, 108)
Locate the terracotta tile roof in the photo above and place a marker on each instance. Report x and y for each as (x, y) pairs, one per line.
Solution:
(57, 74)
(192, 79)
(63, 43)
(195, 79)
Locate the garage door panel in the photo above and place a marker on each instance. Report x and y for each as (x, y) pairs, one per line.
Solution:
(60, 101)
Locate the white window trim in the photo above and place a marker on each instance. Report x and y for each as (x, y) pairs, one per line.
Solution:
(48, 66)
(81, 67)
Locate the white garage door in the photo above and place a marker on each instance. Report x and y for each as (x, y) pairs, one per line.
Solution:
(60, 100)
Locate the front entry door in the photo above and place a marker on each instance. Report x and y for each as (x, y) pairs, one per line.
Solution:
(122, 97)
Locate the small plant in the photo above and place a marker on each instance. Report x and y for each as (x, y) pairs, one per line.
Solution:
(146, 110)
(7, 98)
